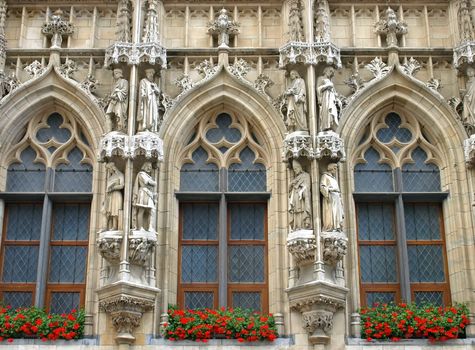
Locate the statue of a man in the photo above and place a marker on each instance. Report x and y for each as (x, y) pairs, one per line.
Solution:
(328, 103)
(114, 202)
(149, 103)
(143, 200)
(300, 208)
(469, 98)
(296, 96)
(332, 213)
(116, 113)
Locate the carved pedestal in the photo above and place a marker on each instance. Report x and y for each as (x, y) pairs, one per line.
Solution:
(328, 144)
(126, 303)
(334, 246)
(114, 143)
(464, 54)
(309, 53)
(297, 144)
(469, 151)
(302, 245)
(317, 301)
(108, 244)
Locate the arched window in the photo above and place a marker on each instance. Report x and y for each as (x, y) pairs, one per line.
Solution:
(46, 219)
(398, 196)
(223, 217)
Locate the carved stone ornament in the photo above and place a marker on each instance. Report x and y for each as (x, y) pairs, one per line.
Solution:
(146, 144)
(89, 84)
(318, 324)
(296, 32)
(262, 83)
(297, 144)
(184, 83)
(223, 27)
(378, 68)
(465, 22)
(124, 10)
(469, 151)
(411, 67)
(8, 84)
(57, 28)
(151, 33)
(141, 246)
(126, 312)
(322, 25)
(334, 247)
(434, 84)
(68, 68)
(240, 68)
(391, 28)
(108, 244)
(34, 69)
(207, 69)
(328, 144)
(302, 245)
(309, 53)
(355, 83)
(464, 54)
(149, 52)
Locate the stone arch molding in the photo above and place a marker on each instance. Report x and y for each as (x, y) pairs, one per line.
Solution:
(223, 90)
(50, 91)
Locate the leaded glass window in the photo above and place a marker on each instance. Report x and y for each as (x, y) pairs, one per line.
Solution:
(398, 201)
(223, 230)
(45, 242)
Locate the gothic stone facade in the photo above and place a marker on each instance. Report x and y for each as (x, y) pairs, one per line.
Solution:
(300, 157)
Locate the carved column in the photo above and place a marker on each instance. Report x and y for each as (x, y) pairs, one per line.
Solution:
(3, 41)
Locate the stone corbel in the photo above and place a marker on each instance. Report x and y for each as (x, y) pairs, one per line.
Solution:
(309, 53)
(318, 324)
(297, 144)
(146, 144)
(302, 245)
(108, 244)
(328, 144)
(334, 247)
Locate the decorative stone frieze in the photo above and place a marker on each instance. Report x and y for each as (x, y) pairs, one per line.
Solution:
(108, 244)
(133, 54)
(328, 144)
(56, 28)
(141, 246)
(318, 324)
(146, 144)
(469, 151)
(302, 245)
(297, 144)
(309, 53)
(334, 246)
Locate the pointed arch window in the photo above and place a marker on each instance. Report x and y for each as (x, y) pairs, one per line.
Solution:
(398, 197)
(223, 217)
(46, 220)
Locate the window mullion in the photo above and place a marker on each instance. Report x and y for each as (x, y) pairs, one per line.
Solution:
(41, 275)
(401, 239)
(223, 247)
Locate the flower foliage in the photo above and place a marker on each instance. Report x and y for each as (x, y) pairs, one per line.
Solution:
(393, 322)
(204, 324)
(32, 322)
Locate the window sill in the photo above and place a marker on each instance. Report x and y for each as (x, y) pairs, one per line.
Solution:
(57, 343)
(223, 343)
(411, 342)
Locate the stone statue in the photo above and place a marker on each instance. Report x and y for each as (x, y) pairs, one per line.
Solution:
(224, 27)
(391, 27)
(296, 96)
(466, 31)
(468, 115)
(116, 113)
(295, 22)
(143, 200)
(149, 103)
(114, 201)
(328, 103)
(332, 211)
(300, 208)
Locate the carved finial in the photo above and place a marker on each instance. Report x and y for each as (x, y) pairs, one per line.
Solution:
(391, 27)
(466, 30)
(322, 25)
(223, 26)
(295, 22)
(151, 32)
(123, 21)
(56, 28)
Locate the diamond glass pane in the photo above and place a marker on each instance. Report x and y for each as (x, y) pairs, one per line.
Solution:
(20, 264)
(420, 176)
(200, 221)
(64, 302)
(375, 222)
(199, 264)
(372, 176)
(247, 176)
(380, 297)
(199, 300)
(393, 130)
(17, 299)
(53, 130)
(422, 221)
(223, 130)
(426, 263)
(70, 222)
(26, 176)
(246, 264)
(247, 221)
(75, 176)
(378, 263)
(24, 222)
(435, 298)
(199, 176)
(67, 264)
(247, 300)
